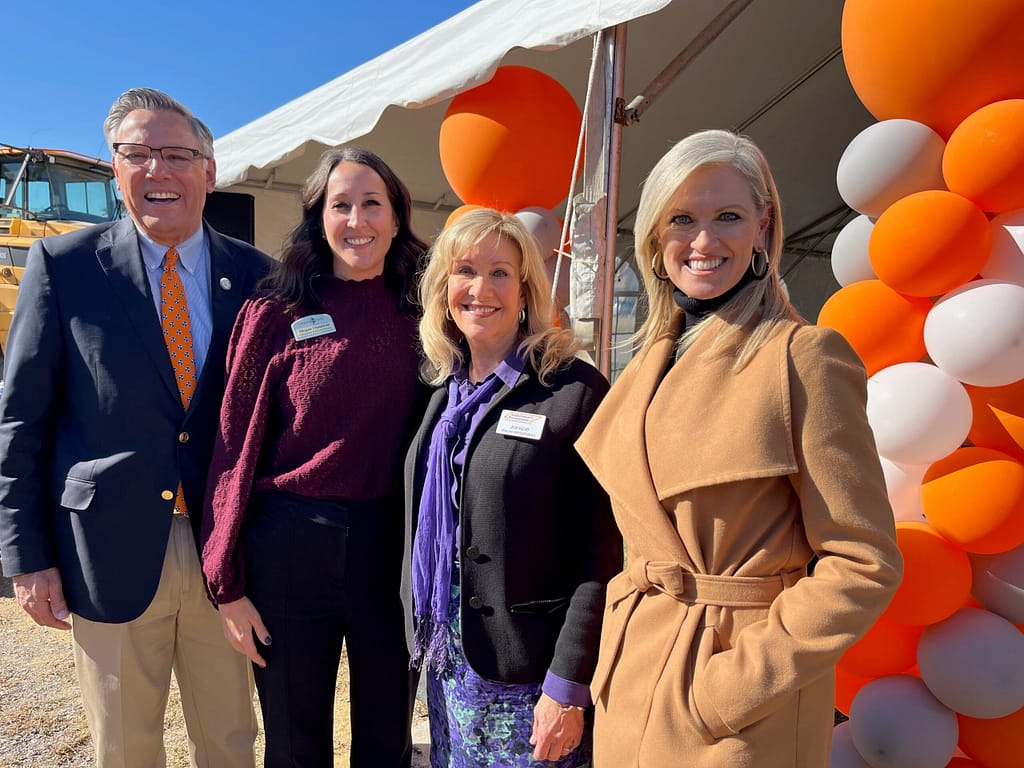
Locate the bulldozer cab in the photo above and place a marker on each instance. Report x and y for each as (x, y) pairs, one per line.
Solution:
(45, 192)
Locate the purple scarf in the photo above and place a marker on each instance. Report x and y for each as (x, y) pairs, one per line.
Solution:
(433, 552)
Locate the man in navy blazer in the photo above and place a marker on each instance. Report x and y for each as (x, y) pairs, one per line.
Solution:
(95, 440)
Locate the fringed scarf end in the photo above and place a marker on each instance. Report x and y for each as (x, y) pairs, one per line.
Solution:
(431, 647)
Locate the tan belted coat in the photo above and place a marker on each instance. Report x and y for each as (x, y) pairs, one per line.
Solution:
(717, 650)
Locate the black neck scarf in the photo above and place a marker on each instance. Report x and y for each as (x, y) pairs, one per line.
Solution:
(697, 309)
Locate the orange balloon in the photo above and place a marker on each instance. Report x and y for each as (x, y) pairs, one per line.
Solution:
(963, 762)
(511, 142)
(929, 243)
(459, 212)
(995, 743)
(934, 61)
(936, 576)
(883, 327)
(984, 158)
(975, 498)
(887, 649)
(998, 418)
(847, 687)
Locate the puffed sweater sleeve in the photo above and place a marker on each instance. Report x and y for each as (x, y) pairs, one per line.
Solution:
(849, 525)
(252, 351)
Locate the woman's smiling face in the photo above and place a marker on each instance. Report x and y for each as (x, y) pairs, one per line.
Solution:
(359, 221)
(485, 295)
(709, 231)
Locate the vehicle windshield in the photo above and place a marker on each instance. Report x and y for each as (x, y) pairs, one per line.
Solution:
(49, 187)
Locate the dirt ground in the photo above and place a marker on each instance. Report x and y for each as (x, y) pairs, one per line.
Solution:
(42, 724)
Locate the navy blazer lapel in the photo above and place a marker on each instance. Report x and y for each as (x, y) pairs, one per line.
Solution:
(121, 259)
(226, 285)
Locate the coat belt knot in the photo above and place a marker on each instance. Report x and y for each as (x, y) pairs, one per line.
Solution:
(674, 579)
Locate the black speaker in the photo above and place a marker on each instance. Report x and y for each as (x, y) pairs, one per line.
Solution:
(232, 214)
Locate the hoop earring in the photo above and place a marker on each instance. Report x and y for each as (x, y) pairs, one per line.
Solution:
(654, 269)
(522, 316)
(759, 274)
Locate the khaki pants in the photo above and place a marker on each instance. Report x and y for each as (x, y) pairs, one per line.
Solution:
(124, 672)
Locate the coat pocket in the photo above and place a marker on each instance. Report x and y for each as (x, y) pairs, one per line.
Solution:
(77, 493)
(709, 723)
(540, 607)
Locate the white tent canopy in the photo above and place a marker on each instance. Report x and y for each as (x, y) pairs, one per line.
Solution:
(456, 55)
(775, 73)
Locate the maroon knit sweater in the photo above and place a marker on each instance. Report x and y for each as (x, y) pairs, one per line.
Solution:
(326, 417)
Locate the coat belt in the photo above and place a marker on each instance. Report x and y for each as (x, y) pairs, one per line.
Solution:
(697, 588)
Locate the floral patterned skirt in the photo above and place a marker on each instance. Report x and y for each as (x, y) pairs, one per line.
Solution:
(476, 723)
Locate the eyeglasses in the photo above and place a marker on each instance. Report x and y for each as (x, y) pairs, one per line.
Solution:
(177, 158)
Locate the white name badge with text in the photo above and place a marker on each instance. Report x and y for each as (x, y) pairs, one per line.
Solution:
(311, 326)
(519, 424)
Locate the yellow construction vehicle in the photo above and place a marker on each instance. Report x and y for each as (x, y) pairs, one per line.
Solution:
(45, 192)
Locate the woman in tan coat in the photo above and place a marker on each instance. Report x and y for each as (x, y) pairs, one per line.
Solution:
(737, 453)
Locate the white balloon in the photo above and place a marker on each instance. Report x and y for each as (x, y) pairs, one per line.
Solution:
(999, 583)
(544, 227)
(889, 160)
(546, 230)
(918, 413)
(903, 483)
(971, 662)
(976, 333)
(1006, 262)
(844, 753)
(897, 723)
(850, 261)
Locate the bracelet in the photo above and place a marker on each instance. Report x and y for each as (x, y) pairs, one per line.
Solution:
(567, 707)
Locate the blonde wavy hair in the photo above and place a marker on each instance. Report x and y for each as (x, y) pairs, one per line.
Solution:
(751, 317)
(548, 349)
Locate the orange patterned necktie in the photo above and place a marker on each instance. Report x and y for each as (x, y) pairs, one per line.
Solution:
(178, 337)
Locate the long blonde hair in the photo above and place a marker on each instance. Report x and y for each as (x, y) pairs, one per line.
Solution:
(751, 317)
(547, 348)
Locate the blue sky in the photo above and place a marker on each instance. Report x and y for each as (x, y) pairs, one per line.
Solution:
(229, 61)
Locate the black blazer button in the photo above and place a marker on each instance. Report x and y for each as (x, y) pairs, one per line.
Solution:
(476, 603)
(472, 551)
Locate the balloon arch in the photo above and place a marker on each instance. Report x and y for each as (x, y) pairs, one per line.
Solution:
(932, 299)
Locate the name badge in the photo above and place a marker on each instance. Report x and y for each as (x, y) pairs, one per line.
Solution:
(519, 424)
(311, 326)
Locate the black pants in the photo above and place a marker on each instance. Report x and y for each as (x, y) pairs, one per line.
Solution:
(320, 573)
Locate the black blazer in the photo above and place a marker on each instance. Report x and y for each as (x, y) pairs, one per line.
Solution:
(92, 432)
(538, 542)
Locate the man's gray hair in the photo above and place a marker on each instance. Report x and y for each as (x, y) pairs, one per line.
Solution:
(153, 100)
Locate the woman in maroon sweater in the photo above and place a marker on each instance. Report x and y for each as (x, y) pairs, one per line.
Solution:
(302, 530)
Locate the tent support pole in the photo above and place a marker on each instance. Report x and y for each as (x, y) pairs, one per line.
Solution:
(631, 113)
(616, 63)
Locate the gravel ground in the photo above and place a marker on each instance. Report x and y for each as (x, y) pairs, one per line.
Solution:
(41, 720)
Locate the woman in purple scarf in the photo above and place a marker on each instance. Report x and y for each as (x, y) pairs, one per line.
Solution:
(510, 541)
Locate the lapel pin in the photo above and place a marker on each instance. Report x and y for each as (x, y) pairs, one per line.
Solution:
(225, 284)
